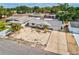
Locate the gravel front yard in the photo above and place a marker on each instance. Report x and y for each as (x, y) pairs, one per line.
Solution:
(31, 35)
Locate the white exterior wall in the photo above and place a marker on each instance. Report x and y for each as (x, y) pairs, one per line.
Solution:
(30, 24)
(73, 30)
(76, 36)
(38, 25)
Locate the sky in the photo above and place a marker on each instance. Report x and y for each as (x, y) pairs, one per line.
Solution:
(12, 5)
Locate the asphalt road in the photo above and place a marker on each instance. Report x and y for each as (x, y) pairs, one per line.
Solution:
(8, 47)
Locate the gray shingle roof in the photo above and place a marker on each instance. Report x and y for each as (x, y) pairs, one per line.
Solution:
(17, 19)
(55, 24)
(38, 21)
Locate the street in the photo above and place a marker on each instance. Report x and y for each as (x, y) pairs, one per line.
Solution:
(8, 47)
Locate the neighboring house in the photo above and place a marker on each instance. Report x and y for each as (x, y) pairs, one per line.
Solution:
(35, 15)
(52, 16)
(5, 32)
(46, 15)
(74, 27)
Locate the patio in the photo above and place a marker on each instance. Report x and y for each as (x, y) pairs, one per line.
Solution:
(31, 35)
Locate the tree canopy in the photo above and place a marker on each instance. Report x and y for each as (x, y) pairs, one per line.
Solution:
(67, 13)
(63, 11)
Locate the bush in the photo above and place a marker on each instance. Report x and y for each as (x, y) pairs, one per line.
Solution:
(45, 28)
(16, 27)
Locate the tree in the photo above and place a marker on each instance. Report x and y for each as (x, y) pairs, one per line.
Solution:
(4, 12)
(23, 9)
(64, 16)
(36, 9)
(1, 11)
(67, 13)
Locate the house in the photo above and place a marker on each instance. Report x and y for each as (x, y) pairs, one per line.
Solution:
(55, 24)
(21, 19)
(74, 27)
(34, 15)
(34, 22)
(52, 24)
(52, 16)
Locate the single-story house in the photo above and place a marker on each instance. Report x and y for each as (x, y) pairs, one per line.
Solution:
(52, 24)
(36, 23)
(74, 27)
(35, 15)
(55, 24)
(18, 19)
(53, 16)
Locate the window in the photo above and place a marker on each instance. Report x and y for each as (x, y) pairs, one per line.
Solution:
(27, 24)
(33, 24)
(40, 25)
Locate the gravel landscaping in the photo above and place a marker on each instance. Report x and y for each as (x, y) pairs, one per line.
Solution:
(31, 35)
